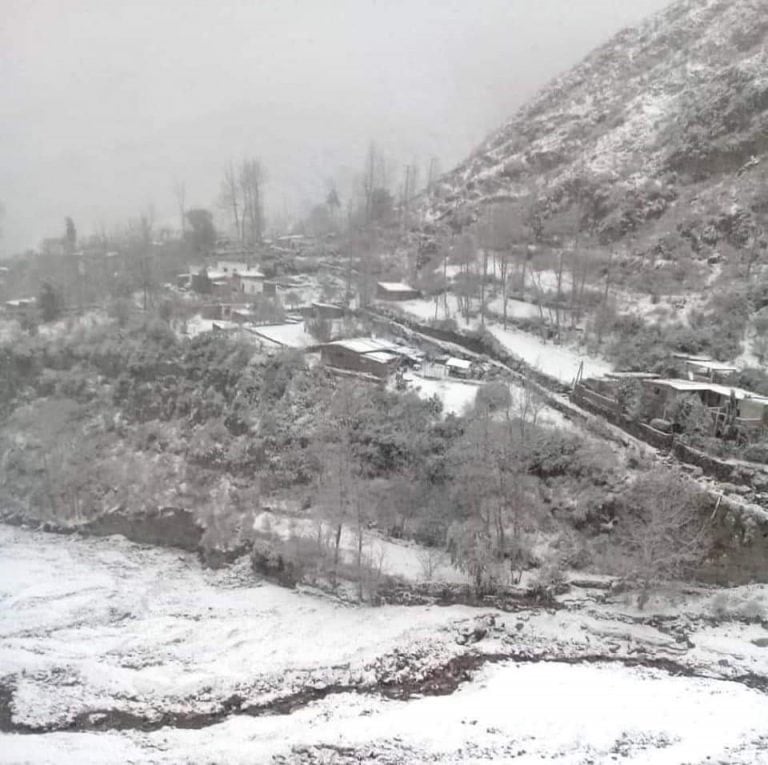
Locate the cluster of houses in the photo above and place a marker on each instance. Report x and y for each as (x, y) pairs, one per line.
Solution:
(708, 380)
(232, 286)
(228, 280)
(382, 359)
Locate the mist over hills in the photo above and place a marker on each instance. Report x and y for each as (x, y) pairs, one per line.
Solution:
(662, 131)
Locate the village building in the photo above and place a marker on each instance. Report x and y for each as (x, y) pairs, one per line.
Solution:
(318, 310)
(434, 369)
(252, 282)
(703, 368)
(378, 358)
(723, 401)
(446, 366)
(396, 291)
(19, 305)
(229, 280)
(458, 367)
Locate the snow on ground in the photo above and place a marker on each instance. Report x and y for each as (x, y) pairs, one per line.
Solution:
(559, 361)
(516, 309)
(458, 397)
(89, 624)
(99, 624)
(286, 335)
(398, 558)
(197, 325)
(424, 308)
(511, 713)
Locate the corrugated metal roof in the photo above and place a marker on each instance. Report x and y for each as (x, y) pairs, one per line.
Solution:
(382, 356)
(396, 287)
(364, 345)
(688, 357)
(631, 375)
(714, 366)
(722, 390)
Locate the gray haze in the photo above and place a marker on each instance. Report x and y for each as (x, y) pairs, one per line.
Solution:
(107, 102)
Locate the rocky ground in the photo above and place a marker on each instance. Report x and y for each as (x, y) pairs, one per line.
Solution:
(115, 652)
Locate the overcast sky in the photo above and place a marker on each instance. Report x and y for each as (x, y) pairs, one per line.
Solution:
(106, 102)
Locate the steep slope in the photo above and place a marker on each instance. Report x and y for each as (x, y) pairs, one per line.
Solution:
(663, 130)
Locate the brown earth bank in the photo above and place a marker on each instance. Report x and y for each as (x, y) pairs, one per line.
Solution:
(440, 681)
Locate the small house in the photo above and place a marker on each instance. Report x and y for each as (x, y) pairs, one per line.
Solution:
(434, 369)
(251, 282)
(20, 305)
(366, 355)
(320, 310)
(703, 368)
(458, 367)
(396, 291)
(751, 409)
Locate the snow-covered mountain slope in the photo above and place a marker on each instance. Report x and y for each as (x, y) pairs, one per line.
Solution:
(663, 130)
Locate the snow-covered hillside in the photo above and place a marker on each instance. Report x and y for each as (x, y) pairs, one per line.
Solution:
(662, 128)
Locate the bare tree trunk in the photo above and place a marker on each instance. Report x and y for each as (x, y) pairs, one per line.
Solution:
(231, 194)
(445, 285)
(482, 286)
(559, 294)
(336, 551)
(359, 551)
(503, 271)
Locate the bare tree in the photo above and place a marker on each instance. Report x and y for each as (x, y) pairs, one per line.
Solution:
(466, 253)
(180, 194)
(339, 488)
(433, 173)
(251, 178)
(662, 530)
(504, 231)
(230, 197)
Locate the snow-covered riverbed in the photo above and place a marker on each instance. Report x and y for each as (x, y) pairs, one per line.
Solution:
(91, 629)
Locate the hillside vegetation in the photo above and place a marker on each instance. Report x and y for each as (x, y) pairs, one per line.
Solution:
(629, 198)
(662, 130)
(112, 422)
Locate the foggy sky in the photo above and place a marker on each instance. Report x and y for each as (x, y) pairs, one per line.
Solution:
(105, 103)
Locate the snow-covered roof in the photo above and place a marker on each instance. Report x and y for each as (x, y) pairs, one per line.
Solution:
(383, 357)
(252, 273)
(285, 335)
(632, 375)
(364, 345)
(712, 366)
(722, 390)
(396, 287)
(409, 352)
(459, 364)
(688, 357)
(19, 302)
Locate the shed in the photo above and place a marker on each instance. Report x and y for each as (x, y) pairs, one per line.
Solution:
(20, 305)
(458, 367)
(396, 291)
(250, 282)
(364, 354)
(326, 310)
(703, 368)
(434, 369)
(751, 407)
